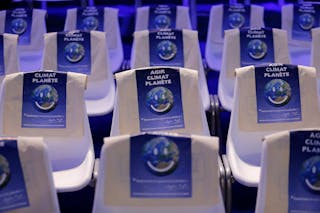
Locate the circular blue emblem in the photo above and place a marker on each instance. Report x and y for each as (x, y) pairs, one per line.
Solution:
(277, 92)
(159, 100)
(162, 22)
(306, 21)
(45, 98)
(236, 20)
(310, 173)
(257, 49)
(161, 156)
(90, 23)
(167, 50)
(74, 52)
(19, 26)
(4, 171)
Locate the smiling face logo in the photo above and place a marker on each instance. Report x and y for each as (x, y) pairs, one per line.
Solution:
(161, 156)
(45, 98)
(162, 22)
(257, 49)
(236, 20)
(74, 52)
(90, 23)
(167, 50)
(159, 100)
(310, 173)
(4, 171)
(277, 92)
(306, 21)
(18, 26)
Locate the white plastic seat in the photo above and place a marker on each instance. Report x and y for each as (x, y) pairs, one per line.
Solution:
(276, 166)
(110, 26)
(10, 59)
(36, 176)
(70, 147)
(181, 19)
(215, 35)
(299, 47)
(244, 141)
(140, 56)
(100, 92)
(113, 183)
(30, 54)
(232, 58)
(127, 119)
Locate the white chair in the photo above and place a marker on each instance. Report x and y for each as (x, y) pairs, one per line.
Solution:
(247, 125)
(99, 96)
(277, 169)
(191, 57)
(315, 44)
(233, 58)
(299, 37)
(113, 193)
(215, 35)
(186, 107)
(178, 17)
(110, 25)
(27, 159)
(30, 52)
(9, 53)
(67, 134)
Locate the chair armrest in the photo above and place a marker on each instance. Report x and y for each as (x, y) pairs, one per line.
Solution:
(228, 184)
(95, 173)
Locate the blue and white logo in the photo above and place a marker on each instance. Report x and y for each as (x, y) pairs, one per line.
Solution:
(90, 23)
(4, 171)
(19, 26)
(306, 21)
(310, 173)
(159, 100)
(257, 49)
(161, 156)
(277, 92)
(45, 98)
(74, 52)
(167, 50)
(236, 20)
(162, 22)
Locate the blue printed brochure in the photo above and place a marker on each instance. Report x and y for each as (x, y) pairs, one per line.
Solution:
(160, 167)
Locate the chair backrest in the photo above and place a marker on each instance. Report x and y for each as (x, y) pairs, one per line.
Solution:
(43, 104)
(91, 59)
(99, 19)
(169, 47)
(162, 17)
(268, 99)
(9, 59)
(26, 176)
(130, 179)
(298, 20)
(290, 172)
(249, 46)
(315, 44)
(158, 99)
(224, 17)
(30, 25)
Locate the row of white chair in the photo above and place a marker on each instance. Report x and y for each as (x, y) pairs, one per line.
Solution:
(243, 153)
(70, 152)
(298, 29)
